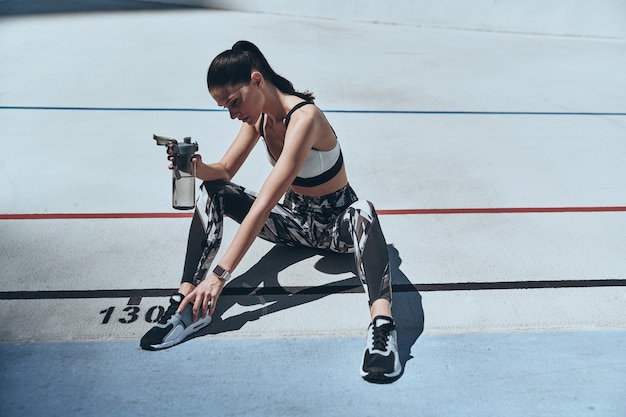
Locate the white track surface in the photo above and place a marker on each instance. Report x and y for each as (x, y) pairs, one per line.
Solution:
(499, 126)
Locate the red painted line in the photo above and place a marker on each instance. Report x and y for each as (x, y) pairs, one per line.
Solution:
(80, 216)
(388, 212)
(502, 210)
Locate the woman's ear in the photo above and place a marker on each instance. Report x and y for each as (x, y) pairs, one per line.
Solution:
(257, 79)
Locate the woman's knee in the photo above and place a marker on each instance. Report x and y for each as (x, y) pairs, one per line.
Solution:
(360, 212)
(215, 186)
(234, 199)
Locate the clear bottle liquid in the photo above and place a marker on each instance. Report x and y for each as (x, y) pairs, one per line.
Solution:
(184, 175)
(184, 185)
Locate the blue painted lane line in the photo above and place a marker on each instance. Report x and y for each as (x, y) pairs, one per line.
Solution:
(353, 111)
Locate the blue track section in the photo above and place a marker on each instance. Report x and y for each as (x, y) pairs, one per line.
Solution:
(530, 374)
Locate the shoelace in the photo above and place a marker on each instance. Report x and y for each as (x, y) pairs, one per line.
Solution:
(381, 337)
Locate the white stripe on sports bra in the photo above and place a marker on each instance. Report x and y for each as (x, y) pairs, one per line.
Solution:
(316, 162)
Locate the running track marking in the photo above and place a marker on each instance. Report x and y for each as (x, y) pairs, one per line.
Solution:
(466, 286)
(388, 212)
(355, 111)
(137, 294)
(460, 286)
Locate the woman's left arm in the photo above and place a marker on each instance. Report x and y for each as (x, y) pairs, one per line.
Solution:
(299, 139)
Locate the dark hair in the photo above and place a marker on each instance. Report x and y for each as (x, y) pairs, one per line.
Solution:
(235, 66)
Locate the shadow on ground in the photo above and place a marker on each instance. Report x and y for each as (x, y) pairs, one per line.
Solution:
(33, 7)
(259, 287)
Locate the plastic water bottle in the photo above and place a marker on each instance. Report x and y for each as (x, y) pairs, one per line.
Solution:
(183, 173)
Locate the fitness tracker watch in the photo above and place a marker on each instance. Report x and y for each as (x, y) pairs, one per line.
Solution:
(221, 273)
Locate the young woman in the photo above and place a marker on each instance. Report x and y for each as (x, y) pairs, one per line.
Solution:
(319, 209)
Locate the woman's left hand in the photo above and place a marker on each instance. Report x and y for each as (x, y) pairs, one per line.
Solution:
(204, 297)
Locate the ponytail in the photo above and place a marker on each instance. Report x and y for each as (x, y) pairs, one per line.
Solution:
(235, 66)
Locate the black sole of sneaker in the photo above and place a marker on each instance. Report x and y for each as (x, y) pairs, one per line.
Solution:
(154, 348)
(380, 378)
(160, 347)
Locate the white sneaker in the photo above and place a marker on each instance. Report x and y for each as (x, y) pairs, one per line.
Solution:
(173, 328)
(381, 362)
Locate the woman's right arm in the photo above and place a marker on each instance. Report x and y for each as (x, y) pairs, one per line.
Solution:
(232, 160)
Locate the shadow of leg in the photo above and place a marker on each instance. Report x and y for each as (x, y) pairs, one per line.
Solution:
(408, 312)
(245, 290)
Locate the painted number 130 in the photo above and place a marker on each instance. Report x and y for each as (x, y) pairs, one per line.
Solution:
(131, 314)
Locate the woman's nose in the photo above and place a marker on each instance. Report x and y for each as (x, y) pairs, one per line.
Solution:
(233, 115)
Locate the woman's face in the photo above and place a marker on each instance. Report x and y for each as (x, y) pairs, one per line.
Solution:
(242, 101)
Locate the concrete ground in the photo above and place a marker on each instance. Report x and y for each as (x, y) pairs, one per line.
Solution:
(495, 160)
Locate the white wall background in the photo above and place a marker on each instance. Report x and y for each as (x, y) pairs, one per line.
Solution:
(598, 18)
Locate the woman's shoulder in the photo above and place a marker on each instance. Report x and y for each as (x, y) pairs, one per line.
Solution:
(311, 119)
(303, 109)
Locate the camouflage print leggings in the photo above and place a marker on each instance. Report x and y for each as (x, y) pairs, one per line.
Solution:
(338, 222)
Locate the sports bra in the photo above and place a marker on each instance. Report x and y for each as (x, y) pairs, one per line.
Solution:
(319, 166)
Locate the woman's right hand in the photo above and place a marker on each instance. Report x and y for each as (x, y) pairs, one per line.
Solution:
(196, 158)
(169, 149)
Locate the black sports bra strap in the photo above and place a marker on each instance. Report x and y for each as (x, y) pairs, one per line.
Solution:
(296, 107)
(261, 128)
